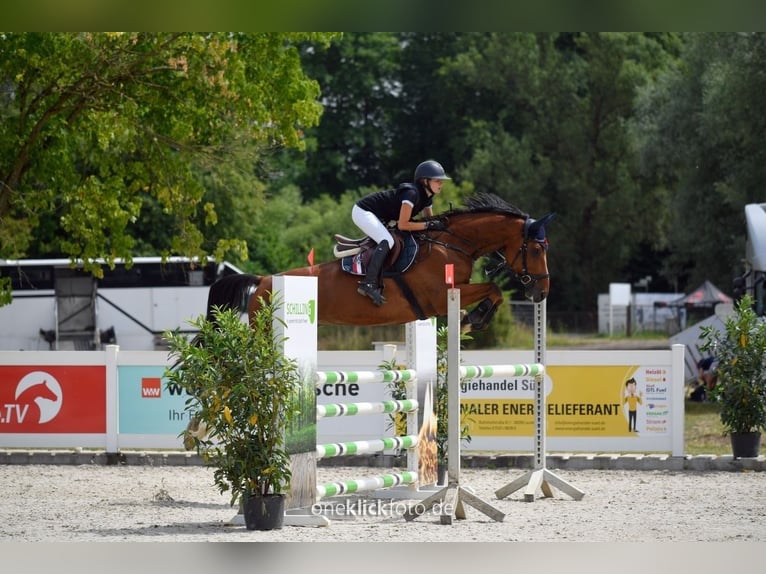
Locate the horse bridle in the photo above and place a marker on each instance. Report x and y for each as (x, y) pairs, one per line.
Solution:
(525, 277)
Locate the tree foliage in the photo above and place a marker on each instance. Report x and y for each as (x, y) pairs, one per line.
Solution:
(103, 135)
(360, 83)
(549, 134)
(646, 145)
(543, 120)
(701, 133)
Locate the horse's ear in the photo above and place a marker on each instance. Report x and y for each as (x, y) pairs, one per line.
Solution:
(547, 219)
(536, 229)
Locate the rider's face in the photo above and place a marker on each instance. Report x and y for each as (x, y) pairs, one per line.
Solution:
(436, 185)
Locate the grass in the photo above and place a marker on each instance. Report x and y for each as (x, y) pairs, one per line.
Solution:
(703, 431)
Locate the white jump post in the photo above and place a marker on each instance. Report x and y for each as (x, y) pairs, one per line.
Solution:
(453, 496)
(539, 477)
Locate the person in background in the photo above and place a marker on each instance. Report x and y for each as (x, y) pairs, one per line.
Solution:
(373, 213)
(708, 372)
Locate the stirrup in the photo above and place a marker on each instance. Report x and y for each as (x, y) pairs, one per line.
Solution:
(372, 291)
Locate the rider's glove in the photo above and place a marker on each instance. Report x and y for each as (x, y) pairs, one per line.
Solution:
(436, 225)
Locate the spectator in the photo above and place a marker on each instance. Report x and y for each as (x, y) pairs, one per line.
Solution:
(707, 374)
(699, 394)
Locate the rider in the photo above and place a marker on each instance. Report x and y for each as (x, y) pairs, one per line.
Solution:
(372, 213)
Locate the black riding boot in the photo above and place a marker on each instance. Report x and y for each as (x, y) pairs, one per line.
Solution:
(371, 285)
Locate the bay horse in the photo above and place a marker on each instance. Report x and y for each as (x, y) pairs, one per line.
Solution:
(487, 225)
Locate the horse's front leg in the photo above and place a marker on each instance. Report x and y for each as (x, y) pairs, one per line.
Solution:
(489, 295)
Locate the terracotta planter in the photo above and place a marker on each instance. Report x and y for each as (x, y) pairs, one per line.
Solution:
(264, 512)
(745, 444)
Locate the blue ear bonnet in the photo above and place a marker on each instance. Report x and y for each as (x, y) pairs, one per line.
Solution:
(540, 236)
(534, 229)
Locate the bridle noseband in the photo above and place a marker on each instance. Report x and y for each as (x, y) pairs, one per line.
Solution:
(525, 277)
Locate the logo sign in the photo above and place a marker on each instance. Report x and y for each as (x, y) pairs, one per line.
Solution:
(57, 399)
(305, 312)
(151, 388)
(147, 404)
(44, 390)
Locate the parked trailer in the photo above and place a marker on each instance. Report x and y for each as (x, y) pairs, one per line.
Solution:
(753, 279)
(58, 306)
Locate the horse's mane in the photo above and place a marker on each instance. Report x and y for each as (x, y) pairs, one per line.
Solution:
(486, 203)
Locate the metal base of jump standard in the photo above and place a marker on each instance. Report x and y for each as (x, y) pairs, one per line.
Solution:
(539, 478)
(453, 497)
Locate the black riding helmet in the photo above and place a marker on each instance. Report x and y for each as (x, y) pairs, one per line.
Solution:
(430, 169)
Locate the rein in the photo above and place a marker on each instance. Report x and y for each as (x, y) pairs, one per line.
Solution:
(457, 248)
(525, 277)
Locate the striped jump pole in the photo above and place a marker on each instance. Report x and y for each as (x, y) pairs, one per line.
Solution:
(352, 409)
(477, 371)
(366, 484)
(365, 446)
(383, 376)
(409, 442)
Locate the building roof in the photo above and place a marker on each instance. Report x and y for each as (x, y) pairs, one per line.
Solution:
(706, 295)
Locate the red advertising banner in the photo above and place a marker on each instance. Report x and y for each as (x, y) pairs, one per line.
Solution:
(52, 399)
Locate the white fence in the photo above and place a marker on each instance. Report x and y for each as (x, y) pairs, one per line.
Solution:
(117, 400)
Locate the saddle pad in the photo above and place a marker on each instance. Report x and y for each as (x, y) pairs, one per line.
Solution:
(353, 263)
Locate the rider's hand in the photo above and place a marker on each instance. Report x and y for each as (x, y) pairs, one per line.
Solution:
(436, 225)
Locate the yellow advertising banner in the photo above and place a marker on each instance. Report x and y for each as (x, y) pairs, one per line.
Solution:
(581, 401)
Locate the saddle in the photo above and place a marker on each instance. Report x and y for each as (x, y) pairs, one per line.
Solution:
(355, 254)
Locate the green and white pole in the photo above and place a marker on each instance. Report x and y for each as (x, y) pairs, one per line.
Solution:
(366, 484)
(352, 409)
(366, 446)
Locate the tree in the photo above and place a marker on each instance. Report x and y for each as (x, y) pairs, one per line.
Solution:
(701, 137)
(550, 133)
(386, 110)
(352, 145)
(98, 130)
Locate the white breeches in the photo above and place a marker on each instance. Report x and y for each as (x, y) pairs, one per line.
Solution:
(371, 225)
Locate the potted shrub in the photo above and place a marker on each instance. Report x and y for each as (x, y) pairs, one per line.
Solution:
(741, 386)
(241, 388)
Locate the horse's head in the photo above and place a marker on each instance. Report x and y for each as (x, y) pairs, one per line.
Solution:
(530, 260)
(493, 225)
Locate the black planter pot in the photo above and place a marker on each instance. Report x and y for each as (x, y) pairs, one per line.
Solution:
(745, 444)
(264, 512)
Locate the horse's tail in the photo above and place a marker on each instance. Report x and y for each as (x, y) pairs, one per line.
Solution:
(231, 292)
